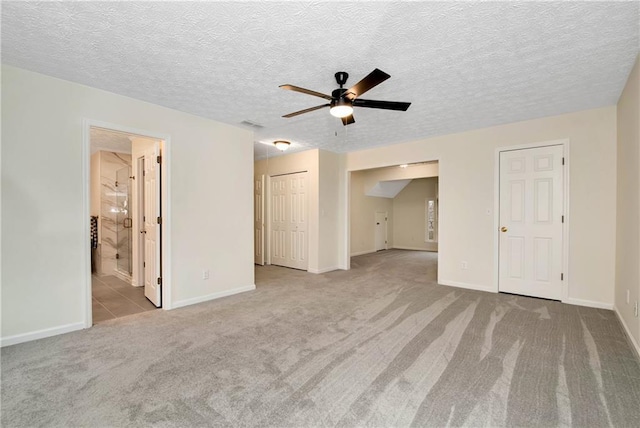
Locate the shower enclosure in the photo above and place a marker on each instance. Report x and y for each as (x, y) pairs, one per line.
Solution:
(123, 221)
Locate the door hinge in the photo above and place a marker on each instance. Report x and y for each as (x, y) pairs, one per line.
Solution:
(562, 161)
(561, 277)
(563, 219)
(116, 184)
(385, 219)
(117, 256)
(159, 159)
(144, 264)
(159, 281)
(159, 220)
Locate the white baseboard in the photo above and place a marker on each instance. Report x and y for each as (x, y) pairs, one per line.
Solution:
(466, 285)
(588, 303)
(40, 334)
(122, 276)
(212, 296)
(362, 253)
(632, 339)
(395, 247)
(324, 270)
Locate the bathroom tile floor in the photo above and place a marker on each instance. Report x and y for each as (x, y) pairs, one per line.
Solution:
(114, 298)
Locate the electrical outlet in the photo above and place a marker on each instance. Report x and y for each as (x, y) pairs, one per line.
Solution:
(627, 296)
(463, 265)
(205, 274)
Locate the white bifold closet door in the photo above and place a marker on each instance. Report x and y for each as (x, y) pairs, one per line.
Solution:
(288, 217)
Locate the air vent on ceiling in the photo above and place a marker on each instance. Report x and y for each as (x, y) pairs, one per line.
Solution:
(251, 124)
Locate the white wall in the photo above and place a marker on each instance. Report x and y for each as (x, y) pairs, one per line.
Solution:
(43, 234)
(409, 211)
(628, 204)
(466, 191)
(362, 219)
(329, 206)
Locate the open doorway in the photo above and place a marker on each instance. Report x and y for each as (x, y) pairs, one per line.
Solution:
(125, 208)
(395, 208)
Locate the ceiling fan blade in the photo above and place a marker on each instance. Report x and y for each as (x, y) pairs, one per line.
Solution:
(305, 91)
(307, 110)
(373, 79)
(386, 105)
(348, 120)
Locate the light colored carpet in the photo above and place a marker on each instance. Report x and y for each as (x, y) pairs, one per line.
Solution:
(381, 345)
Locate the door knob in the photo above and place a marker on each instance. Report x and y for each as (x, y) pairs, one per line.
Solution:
(503, 229)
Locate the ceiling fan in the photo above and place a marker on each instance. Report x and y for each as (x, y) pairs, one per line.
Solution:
(342, 101)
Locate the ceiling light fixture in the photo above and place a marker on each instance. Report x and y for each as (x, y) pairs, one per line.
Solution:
(404, 165)
(341, 108)
(281, 145)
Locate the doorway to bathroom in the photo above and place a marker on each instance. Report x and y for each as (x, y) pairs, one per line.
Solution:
(126, 236)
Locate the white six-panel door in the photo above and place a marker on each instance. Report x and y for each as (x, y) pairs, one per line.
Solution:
(288, 217)
(297, 210)
(531, 222)
(258, 204)
(381, 231)
(277, 217)
(152, 275)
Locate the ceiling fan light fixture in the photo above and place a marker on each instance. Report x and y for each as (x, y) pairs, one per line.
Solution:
(281, 145)
(341, 108)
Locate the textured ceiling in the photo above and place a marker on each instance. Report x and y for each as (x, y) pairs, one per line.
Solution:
(462, 65)
(113, 141)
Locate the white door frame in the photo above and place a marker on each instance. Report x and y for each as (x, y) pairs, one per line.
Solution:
(86, 201)
(496, 211)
